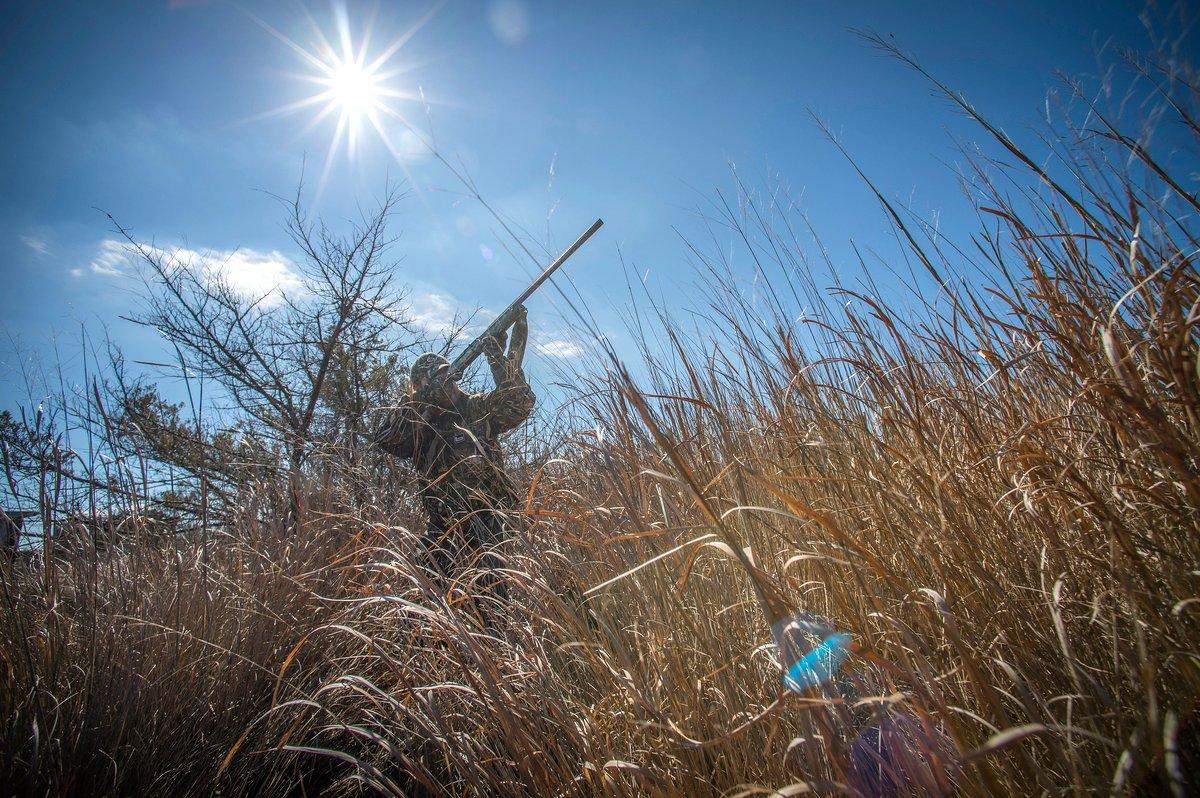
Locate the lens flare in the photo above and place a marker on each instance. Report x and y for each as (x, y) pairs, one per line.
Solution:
(903, 754)
(353, 84)
(353, 88)
(810, 651)
(819, 665)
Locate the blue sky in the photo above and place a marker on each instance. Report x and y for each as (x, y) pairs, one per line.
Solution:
(628, 111)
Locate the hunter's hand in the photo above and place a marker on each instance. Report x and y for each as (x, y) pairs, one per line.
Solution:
(493, 347)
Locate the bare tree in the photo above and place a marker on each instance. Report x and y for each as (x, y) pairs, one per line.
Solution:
(284, 359)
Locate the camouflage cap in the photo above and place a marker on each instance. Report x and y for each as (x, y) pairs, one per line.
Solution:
(428, 366)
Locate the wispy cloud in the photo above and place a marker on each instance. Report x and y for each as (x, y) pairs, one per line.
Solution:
(39, 245)
(437, 312)
(247, 271)
(434, 312)
(112, 258)
(558, 347)
(250, 272)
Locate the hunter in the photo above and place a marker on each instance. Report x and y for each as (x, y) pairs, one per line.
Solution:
(452, 439)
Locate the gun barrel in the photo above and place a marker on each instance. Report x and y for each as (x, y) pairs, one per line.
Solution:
(559, 261)
(505, 319)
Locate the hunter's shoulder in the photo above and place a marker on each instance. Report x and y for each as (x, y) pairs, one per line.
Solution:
(397, 418)
(405, 408)
(394, 429)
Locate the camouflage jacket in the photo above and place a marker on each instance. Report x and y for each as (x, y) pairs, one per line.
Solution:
(456, 452)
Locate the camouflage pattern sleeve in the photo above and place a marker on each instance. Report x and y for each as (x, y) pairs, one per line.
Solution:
(397, 431)
(508, 405)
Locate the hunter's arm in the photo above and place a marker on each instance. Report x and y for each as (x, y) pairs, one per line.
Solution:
(398, 432)
(511, 402)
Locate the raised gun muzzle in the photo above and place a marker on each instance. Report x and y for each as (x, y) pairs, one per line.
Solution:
(505, 320)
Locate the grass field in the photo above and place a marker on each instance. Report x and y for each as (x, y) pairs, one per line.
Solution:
(990, 481)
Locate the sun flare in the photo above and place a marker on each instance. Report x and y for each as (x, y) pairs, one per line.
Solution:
(353, 86)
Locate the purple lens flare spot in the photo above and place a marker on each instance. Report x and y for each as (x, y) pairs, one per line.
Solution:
(903, 754)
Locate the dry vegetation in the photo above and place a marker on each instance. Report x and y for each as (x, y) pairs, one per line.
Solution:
(990, 481)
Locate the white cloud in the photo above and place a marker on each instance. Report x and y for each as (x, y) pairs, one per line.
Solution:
(252, 273)
(509, 20)
(558, 347)
(76, 272)
(112, 258)
(434, 312)
(38, 244)
(247, 271)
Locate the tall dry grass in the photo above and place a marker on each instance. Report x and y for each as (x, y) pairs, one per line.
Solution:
(989, 480)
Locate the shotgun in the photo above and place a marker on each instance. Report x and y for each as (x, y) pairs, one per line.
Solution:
(505, 320)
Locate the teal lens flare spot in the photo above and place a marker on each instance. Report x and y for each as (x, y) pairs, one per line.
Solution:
(810, 650)
(819, 665)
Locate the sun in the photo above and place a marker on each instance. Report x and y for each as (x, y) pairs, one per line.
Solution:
(353, 86)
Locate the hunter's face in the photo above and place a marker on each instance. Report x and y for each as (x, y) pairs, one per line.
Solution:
(438, 390)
